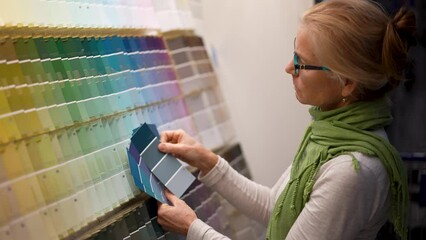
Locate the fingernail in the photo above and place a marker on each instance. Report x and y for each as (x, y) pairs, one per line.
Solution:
(161, 146)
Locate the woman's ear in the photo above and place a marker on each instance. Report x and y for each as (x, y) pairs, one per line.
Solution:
(349, 88)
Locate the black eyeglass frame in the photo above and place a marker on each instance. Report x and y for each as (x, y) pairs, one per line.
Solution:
(298, 66)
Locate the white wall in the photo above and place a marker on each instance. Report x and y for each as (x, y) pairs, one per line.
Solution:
(252, 41)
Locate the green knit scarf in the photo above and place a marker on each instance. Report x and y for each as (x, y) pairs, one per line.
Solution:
(333, 133)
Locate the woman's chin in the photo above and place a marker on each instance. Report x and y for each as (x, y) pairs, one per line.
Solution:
(299, 98)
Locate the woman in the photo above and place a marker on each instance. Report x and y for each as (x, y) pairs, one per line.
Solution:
(346, 180)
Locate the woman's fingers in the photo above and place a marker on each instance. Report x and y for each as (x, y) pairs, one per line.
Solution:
(172, 136)
(176, 217)
(175, 149)
(172, 198)
(167, 136)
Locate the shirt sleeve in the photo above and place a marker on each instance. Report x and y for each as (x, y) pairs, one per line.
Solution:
(200, 230)
(342, 203)
(250, 198)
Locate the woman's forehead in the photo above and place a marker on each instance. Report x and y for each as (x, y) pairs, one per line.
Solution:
(303, 45)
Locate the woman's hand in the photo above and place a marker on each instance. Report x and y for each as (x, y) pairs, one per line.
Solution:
(176, 218)
(181, 145)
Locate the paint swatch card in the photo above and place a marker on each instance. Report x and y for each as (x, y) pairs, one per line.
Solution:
(167, 169)
(143, 178)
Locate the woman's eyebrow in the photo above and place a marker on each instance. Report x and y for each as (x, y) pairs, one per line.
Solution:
(300, 56)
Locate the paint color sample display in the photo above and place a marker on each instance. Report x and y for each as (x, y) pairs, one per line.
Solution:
(68, 108)
(76, 78)
(69, 105)
(166, 168)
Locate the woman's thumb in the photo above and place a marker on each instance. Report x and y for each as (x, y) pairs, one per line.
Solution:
(173, 199)
(168, 148)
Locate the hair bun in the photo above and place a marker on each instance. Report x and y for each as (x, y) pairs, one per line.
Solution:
(399, 36)
(404, 21)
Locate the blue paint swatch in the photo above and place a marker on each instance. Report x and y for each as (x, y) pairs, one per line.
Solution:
(143, 178)
(164, 167)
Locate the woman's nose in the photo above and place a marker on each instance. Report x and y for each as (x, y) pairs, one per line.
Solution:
(289, 68)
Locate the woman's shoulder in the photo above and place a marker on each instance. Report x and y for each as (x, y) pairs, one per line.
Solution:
(355, 166)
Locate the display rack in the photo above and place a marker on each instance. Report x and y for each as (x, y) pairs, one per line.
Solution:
(76, 78)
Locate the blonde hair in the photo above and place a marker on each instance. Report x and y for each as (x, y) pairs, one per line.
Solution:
(358, 41)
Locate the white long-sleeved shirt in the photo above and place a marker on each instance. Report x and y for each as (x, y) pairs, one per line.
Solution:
(344, 203)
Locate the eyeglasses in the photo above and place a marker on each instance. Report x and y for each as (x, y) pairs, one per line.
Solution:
(298, 66)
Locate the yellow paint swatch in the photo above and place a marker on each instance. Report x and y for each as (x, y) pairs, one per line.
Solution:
(56, 216)
(45, 119)
(46, 152)
(33, 224)
(69, 216)
(28, 194)
(79, 173)
(55, 184)
(3, 79)
(3, 175)
(9, 202)
(6, 234)
(48, 223)
(19, 230)
(56, 146)
(22, 120)
(25, 96)
(32, 149)
(25, 157)
(65, 182)
(13, 73)
(4, 105)
(15, 161)
(36, 92)
(14, 99)
(9, 129)
(10, 161)
(4, 217)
